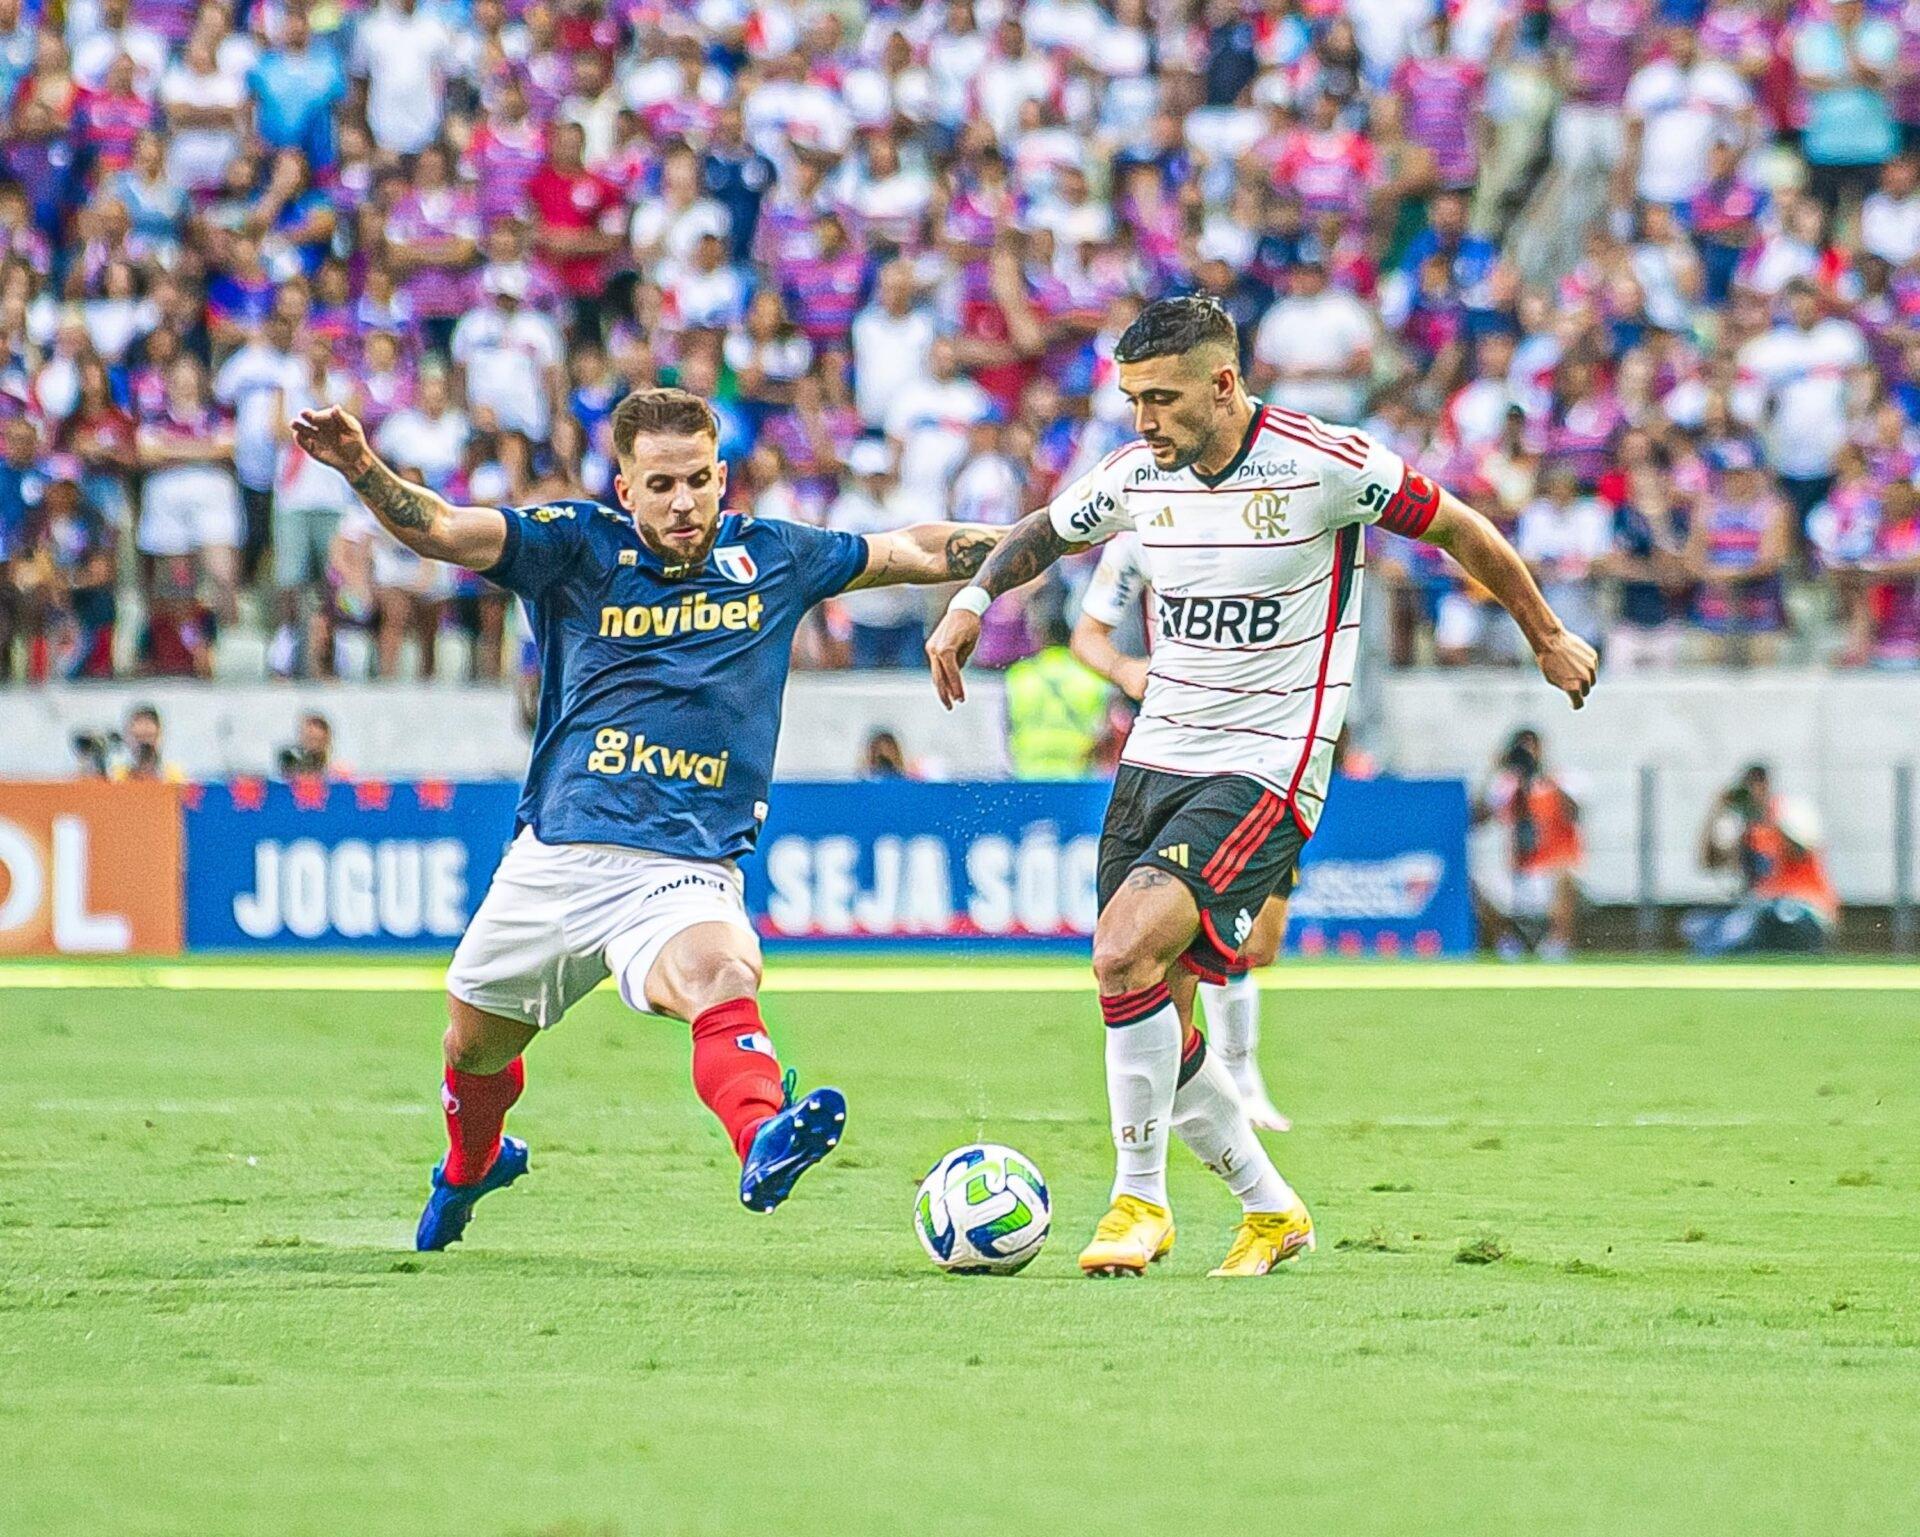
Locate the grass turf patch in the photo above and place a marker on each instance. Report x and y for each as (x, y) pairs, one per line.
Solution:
(210, 1322)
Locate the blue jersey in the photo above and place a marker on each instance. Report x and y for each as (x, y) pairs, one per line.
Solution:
(660, 697)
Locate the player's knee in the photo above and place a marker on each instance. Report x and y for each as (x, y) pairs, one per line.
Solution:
(471, 1048)
(721, 980)
(467, 1052)
(1121, 964)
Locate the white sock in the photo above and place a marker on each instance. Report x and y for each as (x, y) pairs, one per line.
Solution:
(1143, 1067)
(1233, 1029)
(1209, 1118)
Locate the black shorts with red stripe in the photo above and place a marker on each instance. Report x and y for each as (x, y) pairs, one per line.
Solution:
(1227, 838)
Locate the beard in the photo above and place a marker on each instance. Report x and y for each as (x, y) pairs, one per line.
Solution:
(679, 564)
(1185, 456)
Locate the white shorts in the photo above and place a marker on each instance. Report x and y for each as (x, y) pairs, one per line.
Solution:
(559, 918)
(192, 507)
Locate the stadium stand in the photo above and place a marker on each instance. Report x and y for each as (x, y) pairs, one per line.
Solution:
(1639, 279)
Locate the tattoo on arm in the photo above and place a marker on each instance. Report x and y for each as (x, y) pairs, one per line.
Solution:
(1030, 547)
(395, 502)
(966, 550)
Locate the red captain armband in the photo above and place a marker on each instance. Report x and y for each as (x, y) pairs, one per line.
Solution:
(1410, 509)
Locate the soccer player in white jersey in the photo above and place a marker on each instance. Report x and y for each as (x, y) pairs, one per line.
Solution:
(1250, 521)
(1232, 1002)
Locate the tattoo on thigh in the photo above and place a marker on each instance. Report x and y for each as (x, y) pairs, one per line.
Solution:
(1143, 876)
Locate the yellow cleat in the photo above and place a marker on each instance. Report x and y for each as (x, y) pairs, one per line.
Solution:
(1267, 1239)
(1133, 1235)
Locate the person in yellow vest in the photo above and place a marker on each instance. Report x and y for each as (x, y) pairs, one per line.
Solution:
(1056, 708)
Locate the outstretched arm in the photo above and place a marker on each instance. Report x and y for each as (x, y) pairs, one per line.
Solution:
(1566, 661)
(926, 554)
(474, 537)
(1030, 546)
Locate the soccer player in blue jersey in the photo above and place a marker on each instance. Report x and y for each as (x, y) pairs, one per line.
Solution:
(665, 628)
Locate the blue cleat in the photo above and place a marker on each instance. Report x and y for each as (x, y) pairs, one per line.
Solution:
(789, 1144)
(451, 1206)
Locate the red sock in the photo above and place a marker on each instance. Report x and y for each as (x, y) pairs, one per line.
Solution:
(476, 1106)
(734, 1069)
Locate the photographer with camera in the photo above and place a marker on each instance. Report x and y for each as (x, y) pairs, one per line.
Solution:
(310, 754)
(1534, 900)
(144, 759)
(1770, 843)
(131, 753)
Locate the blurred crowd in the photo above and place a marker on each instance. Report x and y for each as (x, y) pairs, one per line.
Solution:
(1638, 277)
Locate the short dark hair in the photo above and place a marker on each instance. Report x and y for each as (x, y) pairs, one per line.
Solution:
(1174, 327)
(672, 413)
(143, 712)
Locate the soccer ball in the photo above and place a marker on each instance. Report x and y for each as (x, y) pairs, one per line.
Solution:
(982, 1210)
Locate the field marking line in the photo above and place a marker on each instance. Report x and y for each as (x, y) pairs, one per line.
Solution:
(1414, 976)
(1342, 1126)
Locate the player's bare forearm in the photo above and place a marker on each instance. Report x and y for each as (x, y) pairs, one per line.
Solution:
(927, 554)
(1092, 644)
(1030, 546)
(429, 525)
(1484, 554)
(1566, 661)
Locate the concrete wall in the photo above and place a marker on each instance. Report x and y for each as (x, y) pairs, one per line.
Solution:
(1832, 738)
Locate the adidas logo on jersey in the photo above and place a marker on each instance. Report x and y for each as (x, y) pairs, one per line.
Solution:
(1164, 519)
(1173, 853)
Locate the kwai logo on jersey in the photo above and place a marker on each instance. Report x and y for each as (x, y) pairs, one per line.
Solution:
(550, 513)
(1266, 514)
(619, 752)
(735, 564)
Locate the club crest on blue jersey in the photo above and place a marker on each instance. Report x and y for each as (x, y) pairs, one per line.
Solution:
(735, 564)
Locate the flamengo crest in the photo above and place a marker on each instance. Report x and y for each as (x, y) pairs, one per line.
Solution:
(1266, 514)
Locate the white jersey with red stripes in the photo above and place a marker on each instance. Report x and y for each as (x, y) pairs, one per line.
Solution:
(1256, 578)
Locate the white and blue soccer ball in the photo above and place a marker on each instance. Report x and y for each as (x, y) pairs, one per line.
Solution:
(982, 1210)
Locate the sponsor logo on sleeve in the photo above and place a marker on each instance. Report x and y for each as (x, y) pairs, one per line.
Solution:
(1089, 514)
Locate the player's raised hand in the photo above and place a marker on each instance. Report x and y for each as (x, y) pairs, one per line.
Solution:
(1570, 665)
(948, 648)
(334, 437)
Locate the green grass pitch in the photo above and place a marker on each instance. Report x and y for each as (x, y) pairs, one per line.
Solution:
(1696, 1305)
